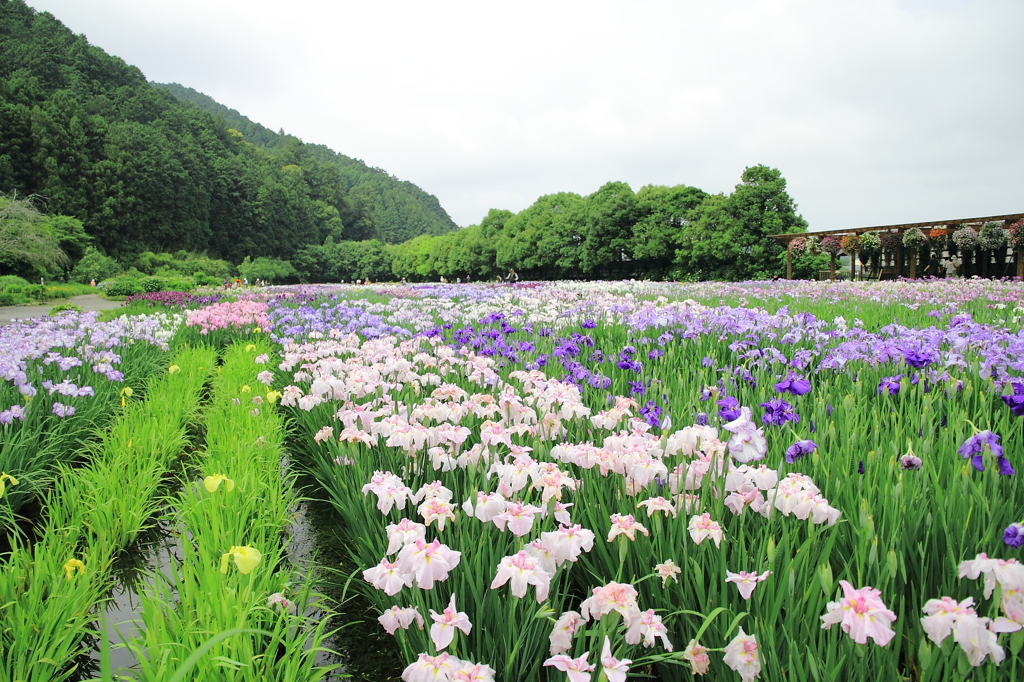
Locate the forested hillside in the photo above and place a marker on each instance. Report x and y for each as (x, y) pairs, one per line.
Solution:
(146, 172)
(385, 207)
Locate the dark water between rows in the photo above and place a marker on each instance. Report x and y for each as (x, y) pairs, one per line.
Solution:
(360, 647)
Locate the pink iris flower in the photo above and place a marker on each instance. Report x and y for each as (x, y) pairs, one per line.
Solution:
(427, 562)
(746, 582)
(742, 655)
(614, 669)
(625, 525)
(395, 618)
(522, 570)
(577, 668)
(518, 516)
(861, 614)
(445, 624)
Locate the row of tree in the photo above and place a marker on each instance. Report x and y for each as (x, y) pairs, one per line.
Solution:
(660, 232)
(145, 170)
(665, 232)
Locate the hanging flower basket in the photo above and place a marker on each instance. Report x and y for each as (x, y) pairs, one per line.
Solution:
(1016, 235)
(965, 238)
(890, 241)
(798, 245)
(831, 245)
(914, 238)
(937, 233)
(812, 246)
(870, 242)
(992, 237)
(850, 243)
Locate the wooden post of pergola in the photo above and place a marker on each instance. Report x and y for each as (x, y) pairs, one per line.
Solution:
(789, 259)
(1020, 262)
(899, 257)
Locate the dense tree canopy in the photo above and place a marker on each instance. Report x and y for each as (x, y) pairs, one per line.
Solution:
(678, 232)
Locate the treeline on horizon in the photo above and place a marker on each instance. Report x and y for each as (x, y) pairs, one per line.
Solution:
(145, 169)
(659, 232)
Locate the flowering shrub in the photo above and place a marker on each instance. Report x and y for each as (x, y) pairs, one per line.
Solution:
(965, 238)
(890, 241)
(831, 245)
(992, 236)
(229, 315)
(179, 299)
(1015, 235)
(914, 238)
(870, 242)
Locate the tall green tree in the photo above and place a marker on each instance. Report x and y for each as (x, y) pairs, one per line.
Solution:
(611, 212)
(663, 211)
(28, 244)
(727, 237)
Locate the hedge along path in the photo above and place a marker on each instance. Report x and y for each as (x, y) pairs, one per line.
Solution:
(50, 592)
(234, 574)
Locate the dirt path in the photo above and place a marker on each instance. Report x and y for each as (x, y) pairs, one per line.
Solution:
(88, 303)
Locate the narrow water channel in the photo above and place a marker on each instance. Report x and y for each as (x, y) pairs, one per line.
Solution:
(360, 648)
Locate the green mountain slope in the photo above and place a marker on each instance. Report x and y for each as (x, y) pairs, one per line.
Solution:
(400, 209)
(145, 171)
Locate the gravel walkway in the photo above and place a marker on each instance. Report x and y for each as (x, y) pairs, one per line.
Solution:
(87, 303)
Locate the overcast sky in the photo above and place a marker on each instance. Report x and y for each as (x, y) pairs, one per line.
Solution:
(876, 111)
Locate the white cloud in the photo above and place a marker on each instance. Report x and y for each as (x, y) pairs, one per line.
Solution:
(876, 112)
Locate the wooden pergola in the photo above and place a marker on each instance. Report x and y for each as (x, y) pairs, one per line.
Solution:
(899, 230)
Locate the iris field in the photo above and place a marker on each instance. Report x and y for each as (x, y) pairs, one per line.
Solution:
(582, 481)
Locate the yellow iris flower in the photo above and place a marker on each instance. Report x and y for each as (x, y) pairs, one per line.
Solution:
(126, 392)
(212, 482)
(245, 389)
(173, 369)
(6, 477)
(246, 558)
(250, 348)
(272, 396)
(70, 566)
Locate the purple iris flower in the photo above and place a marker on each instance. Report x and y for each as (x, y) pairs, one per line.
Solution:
(793, 384)
(702, 418)
(62, 410)
(1015, 401)
(918, 359)
(890, 385)
(588, 324)
(777, 412)
(800, 449)
(860, 467)
(975, 445)
(706, 362)
(651, 413)
(910, 462)
(637, 388)
(730, 408)
(1014, 535)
